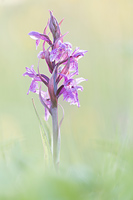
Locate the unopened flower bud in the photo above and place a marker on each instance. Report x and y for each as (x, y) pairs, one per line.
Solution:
(41, 55)
(54, 27)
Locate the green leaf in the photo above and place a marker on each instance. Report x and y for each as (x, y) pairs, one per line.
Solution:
(45, 139)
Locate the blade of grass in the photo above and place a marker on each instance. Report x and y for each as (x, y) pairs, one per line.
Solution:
(45, 141)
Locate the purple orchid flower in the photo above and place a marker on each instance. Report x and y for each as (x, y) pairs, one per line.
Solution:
(60, 60)
(62, 63)
(70, 89)
(70, 93)
(61, 53)
(32, 74)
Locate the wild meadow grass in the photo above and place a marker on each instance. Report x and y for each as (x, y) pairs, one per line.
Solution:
(96, 139)
(104, 173)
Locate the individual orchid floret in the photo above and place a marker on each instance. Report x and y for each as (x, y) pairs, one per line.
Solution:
(61, 53)
(30, 72)
(70, 89)
(78, 53)
(35, 78)
(67, 54)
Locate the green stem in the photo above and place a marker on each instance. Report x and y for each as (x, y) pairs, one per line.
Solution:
(56, 137)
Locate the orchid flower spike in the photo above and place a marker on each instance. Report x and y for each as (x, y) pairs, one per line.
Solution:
(62, 63)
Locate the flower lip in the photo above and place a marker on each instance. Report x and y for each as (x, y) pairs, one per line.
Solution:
(70, 90)
(33, 87)
(30, 72)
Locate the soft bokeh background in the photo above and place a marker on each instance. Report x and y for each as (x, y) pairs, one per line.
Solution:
(96, 150)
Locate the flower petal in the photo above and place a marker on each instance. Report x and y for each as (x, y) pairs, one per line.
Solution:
(35, 35)
(33, 87)
(37, 43)
(64, 71)
(30, 72)
(79, 80)
(78, 53)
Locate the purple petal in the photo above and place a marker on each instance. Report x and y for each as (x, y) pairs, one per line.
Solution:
(35, 35)
(71, 97)
(79, 87)
(62, 52)
(74, 65)
(64, 71)
(53, 55)
(78, 53)
(79, 80)
(56, 45)
(30, 72)
(33, 87)
(67, 83)
(37, 43)
(70, 90)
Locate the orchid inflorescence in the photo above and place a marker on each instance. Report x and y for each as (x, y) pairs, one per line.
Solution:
(62, 63)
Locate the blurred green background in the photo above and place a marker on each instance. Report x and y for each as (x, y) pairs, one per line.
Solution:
(96, 139)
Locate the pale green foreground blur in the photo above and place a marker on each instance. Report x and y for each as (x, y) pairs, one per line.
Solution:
(97, 138)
